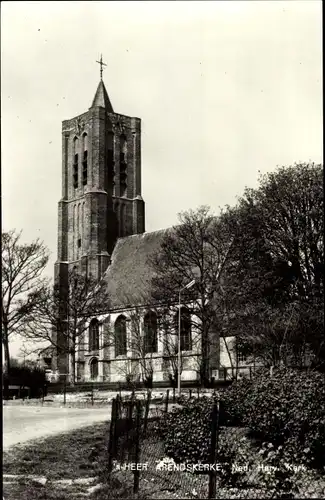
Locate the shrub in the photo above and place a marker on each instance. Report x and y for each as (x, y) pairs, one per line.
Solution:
(234, 402)
(28, 376)
(186, 431)
(287, 410)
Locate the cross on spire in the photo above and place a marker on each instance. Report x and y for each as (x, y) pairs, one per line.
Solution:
(101, 66)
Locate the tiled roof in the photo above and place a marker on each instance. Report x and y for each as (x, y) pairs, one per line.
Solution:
(129, 275)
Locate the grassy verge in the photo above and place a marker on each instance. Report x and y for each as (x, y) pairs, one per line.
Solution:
(71, 457)
(68, 461)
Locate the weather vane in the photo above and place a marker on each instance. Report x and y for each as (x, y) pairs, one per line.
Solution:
(101, 66)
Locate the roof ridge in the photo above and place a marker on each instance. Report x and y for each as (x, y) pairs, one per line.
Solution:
(146, 233)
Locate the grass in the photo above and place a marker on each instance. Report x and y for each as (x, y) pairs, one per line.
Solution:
(71, 456)
(83, 454)
(79, 454)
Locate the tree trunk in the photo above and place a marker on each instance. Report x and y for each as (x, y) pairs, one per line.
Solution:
(205, 368)
(7, 362)
(72, 367)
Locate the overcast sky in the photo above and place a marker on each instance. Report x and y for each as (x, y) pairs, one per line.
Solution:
(223, 89)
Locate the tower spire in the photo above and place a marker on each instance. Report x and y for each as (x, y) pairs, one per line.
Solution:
(101, 63)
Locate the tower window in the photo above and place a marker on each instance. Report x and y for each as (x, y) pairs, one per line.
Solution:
(75, 171)
(123, 165)
(85, 168)
(123, 179)
(110, 168)
(79, 242)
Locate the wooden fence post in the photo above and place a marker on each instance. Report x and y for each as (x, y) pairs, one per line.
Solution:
(166, 401)
(92, 394)
(112, 436)
(190, 393)
(147, 412)
(174, 395)
(214, 449)
(137, 448)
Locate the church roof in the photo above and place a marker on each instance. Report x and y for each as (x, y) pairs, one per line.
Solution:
(129, 275)
(101, 98)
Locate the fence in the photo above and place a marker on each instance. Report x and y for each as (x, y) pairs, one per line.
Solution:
(136, 446)
(134, 443)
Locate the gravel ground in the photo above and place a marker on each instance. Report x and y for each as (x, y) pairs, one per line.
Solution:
(23, 423)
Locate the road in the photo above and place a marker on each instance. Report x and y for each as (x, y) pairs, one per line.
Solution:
(23, 423)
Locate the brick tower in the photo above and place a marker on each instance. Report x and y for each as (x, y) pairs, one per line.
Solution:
(101, 187)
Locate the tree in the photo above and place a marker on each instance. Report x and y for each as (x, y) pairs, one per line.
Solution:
(199, 249)
(22, 282)
(144, 342)
(169, 317)
(275, 286)
(63, 316)
(27, 375)
(140, 338)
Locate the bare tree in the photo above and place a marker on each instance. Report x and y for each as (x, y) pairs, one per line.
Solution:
(63, 316)
(142, 344)
(198, 249)
(22, 282)
(141, 341)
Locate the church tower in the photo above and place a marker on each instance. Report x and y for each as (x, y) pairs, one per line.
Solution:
(101, 185)
(101, 190)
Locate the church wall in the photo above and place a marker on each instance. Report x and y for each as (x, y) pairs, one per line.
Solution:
(116, 369)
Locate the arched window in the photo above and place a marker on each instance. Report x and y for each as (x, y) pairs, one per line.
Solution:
(123, 147)
(82, 223)
(120, 336)
(85, 159)
(150, 332)
(94, 335)
(78, 224)
(110, 162)
(74, 232)
(75, 162)
(123, 165)
(94, 369)
(186, 334)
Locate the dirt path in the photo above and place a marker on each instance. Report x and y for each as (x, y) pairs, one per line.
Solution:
(23, 423)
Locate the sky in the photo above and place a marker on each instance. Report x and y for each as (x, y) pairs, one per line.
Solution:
(224, 90)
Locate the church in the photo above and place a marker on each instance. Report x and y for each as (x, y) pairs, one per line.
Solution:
(101, 229)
